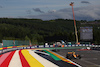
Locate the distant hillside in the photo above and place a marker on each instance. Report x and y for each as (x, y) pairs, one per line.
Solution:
(37, 30)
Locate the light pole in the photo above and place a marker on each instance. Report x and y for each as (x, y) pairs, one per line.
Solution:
(74, 22)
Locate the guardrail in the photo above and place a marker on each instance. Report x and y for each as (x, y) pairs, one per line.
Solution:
(6, 49)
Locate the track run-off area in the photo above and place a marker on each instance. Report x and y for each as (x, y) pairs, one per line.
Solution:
(34, 58)
(45, 57)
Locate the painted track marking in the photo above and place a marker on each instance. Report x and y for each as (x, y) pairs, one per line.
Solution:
(23, 60)
(3, 57)
(7, 60)
(43, 61)
(15, 61)
(31, 60)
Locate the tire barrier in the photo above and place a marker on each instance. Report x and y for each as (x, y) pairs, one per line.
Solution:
(95, 48)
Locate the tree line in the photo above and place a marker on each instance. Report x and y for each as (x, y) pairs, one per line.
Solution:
(38, 30)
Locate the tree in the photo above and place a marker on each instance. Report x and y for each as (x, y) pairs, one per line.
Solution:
(27, 38)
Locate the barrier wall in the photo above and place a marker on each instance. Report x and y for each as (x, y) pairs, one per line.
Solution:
(8, 43)
(0, 45)
(50, 46)
(44, 46)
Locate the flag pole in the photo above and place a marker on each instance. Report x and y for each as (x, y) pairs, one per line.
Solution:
(72, 4)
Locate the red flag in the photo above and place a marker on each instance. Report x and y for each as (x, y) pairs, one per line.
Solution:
(71, 3)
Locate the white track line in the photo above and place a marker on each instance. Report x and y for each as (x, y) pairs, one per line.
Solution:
(15, 61)
(41, 52)
(43, 61)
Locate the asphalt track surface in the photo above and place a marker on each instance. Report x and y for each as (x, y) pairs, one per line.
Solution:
(21, 58)
(56, 61)
(30, 58)
(90, 58)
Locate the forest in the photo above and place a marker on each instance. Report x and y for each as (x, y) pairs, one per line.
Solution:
(39, 31)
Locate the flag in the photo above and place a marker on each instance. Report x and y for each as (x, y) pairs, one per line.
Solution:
(71, 3)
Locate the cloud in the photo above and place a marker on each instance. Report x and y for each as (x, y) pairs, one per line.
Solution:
(38, 10)
(82, 13)
(88, 13)
(28, 11)
(51, 11)
(1, 7)
(53, 14)
(85, 2)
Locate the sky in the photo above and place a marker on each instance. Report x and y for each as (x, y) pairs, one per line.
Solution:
(50, 9)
